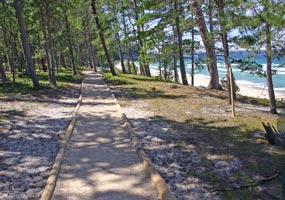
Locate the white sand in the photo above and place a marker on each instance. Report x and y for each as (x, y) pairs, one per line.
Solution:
(245, 89)
(253, 91)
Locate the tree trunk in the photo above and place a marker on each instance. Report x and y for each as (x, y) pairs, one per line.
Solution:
(138, 47)
(93, 54)
(128, 57)
(3, 75)
(209, 46)
(271, 94)
(86, 45)
(127, 43)
(43, 65)
(148, 69)
(165, 71)
(121, 53)
(176, 77)
(12, 69)
(102, 38)
(146, 64)
(49, 47)
(228, 65)
(25, 43)
(159, 62)
(22, 62)
(62, 60)
(88, 42)
(220, 4)
(39, 63)
(143, 65)
(210, 16)
(119, 45)
(192, 52)
(179, 36)
(94, 57)
(79, 56)
(19, 66)
(46, 47)
(57, 63)
(8, 54)
(70, 47)
(8, 46)
(133, 62)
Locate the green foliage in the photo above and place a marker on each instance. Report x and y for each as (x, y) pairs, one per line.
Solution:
(251, 23)
(147, 28)
(251, 67)
(200, 64)
(224, 84)
(24, 83)
(245, 41)
(147, 17)
(116, 80)
(128, 79)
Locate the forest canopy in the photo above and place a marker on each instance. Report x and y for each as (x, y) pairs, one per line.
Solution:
(49, 35)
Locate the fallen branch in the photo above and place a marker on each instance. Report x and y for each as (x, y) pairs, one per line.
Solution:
(254, 184)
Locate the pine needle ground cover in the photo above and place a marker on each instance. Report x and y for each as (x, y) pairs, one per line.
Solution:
(200, 119)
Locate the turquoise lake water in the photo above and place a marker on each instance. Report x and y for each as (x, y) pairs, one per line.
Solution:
(243, 77)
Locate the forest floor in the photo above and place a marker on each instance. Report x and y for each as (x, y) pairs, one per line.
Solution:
(32, 123)
(199, 149)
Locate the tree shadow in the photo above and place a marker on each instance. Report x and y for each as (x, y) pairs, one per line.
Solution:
(101, 161)
(8, 113)
(29, 142)
(210, 157)
(28, 150)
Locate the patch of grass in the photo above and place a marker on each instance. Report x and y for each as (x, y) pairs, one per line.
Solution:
(143, 93)
(117, 80)
(124, 79)
(258, 101)
(135, 86)
(66, 77)
(24, 82)
(202, 118)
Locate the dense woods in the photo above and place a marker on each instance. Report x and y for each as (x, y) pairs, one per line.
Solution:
(50, 35)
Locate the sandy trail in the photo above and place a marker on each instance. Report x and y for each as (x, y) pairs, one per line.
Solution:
(99, 162)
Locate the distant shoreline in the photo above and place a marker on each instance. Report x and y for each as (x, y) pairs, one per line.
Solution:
(245, 89)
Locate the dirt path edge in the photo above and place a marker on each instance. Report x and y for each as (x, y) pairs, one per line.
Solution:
(159, 183)
(51, 181)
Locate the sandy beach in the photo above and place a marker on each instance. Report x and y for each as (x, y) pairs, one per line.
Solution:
(245, 89)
